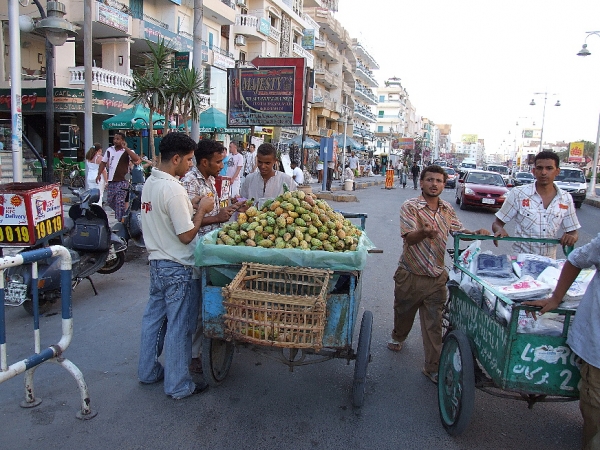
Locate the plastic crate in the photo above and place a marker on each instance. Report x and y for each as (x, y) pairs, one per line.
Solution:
(277, 306)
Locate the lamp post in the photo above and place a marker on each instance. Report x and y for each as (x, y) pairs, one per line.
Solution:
(592, 187)
(532, 103)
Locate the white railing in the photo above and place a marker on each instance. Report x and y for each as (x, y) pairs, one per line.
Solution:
(246, 20)
(101, 77)
(275, 34)
(300, 51)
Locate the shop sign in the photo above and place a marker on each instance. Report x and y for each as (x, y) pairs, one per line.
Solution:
(112, 17)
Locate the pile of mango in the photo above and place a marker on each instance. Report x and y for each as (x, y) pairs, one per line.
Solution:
(295, 219)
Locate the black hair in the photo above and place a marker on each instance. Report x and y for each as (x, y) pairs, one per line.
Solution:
(120, 134)
(547, 154)
(267, 149)
(176, 144)
(206, 149)
(434, 168)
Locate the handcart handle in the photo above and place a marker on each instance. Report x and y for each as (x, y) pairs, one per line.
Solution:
(361, 216)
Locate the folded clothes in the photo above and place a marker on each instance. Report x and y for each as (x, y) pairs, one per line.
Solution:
(525, 289)
(534, 265)
(495, 266)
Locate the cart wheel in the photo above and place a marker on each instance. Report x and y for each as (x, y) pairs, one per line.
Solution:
(363, 356)
(217, 355)
(456, 386)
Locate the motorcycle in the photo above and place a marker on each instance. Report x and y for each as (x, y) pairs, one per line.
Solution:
(93, 248)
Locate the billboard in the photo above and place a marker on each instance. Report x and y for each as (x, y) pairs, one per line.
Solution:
(270, 95)
(576, 152)
(406, 143)
(469, 138)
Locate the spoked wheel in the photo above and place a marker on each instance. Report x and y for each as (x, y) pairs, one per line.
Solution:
(363, 357)
(456, 385)
(217, 355)
(77, 182)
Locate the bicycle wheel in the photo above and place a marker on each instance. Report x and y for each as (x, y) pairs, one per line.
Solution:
(77, 182)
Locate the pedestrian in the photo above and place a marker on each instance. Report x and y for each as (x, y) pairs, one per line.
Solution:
(297, 173)
(584, 334)
(539, 210)
(404, 175)
(93, 158)
(235, 164)
(171, 222)
(415, 170)
(117, 159)
(200, 181)
(331, 165)
(353, 163)
(250, 160)
(319, 171)
(420, 279)
(266, 182)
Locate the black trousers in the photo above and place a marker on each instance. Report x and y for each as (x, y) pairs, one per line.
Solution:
(329, 177)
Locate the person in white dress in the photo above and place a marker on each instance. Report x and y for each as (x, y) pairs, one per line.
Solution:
(92, 163)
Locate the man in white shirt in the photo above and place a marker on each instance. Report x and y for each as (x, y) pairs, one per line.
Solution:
(297, 173)
(266, 182)
(171, 222)
(353, 163)
(250, 160)
(235, 164)
(116, 159)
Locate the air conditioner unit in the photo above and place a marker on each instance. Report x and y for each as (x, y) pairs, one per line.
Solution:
(240, 39)
(241, 2)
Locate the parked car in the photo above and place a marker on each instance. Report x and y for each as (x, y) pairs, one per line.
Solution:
(521, 178)
(452, 175)
(481, 188)
(572, 180)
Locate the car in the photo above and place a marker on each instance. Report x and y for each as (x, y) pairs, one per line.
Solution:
(452, 176)
(481, 188)
(572, 180)
(521, 178)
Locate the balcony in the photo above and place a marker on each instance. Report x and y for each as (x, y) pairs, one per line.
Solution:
(364, 114)
(249, 26)
(301, 52)
(221, 11)
(325, 77)
(275, 35)
(326, 50)
(366, 75)
(100, 77)
(365, 94)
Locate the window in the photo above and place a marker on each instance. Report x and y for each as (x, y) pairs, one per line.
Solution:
(382, 99)
(380, 128)
(183, 23)
(381, 114)
(242, 56)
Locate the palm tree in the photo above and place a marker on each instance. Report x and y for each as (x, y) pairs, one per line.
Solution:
(149, 86)
(185, 90)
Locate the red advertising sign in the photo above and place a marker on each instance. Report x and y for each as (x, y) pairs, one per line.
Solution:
(271, 95)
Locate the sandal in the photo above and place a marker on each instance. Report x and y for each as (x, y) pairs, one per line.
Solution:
(395, 345)
(433, 376)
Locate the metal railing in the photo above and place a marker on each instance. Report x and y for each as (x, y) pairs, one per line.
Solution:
(54, 353)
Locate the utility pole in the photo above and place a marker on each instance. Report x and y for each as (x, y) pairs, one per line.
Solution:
(197, 56)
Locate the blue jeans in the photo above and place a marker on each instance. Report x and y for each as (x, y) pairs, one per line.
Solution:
(170, 318)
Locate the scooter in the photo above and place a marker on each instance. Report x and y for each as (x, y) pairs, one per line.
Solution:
(93, 247)
(131, 225)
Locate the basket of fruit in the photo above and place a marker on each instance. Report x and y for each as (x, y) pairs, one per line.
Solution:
(277, 306)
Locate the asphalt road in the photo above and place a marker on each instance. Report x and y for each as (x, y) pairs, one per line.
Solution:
(261, 404)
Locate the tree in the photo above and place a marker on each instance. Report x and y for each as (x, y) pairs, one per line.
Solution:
(149, 86)
(185, 95)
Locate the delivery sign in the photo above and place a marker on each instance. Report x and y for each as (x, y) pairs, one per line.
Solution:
(576, 152)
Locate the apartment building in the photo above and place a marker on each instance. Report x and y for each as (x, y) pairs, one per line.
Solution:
(364, 96)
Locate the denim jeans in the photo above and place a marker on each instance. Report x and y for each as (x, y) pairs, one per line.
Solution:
(170, 318)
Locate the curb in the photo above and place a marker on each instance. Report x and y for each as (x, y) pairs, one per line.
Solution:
(595, 202)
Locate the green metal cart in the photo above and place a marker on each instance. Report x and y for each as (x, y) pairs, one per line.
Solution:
(529, 367)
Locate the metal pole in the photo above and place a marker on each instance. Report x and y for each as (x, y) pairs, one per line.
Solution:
(543, 120)
(307, 76)
(15, 90)
(592, 187)
(88, 137)
(49, 112)
(197, 57)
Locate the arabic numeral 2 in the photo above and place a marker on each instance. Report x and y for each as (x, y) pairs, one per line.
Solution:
(564, 385)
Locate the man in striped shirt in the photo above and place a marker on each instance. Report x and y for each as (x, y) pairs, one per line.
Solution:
(420, 280)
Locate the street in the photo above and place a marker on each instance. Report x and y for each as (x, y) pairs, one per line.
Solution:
(262, 404)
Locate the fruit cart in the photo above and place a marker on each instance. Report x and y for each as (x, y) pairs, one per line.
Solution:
(306, 314)
(521, 366)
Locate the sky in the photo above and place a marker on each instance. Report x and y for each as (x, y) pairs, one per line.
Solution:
(476, 64)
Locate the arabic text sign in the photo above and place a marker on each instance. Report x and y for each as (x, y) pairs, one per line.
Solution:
(576, 152)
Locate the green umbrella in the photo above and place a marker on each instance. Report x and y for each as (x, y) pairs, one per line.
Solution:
(213, 118)
(349, 142)
(135, 118)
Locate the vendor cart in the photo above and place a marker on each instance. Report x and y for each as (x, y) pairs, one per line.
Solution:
(522, 366)
(304, 311)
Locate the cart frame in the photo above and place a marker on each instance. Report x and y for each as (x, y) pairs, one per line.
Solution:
(530, 367)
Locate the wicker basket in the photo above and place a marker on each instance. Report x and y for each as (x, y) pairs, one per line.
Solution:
(277, 306)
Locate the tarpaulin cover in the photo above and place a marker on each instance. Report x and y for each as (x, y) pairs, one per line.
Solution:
(208, 253)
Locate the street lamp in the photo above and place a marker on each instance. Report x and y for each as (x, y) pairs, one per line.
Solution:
(592, 187)
(56, 29)
(532, 103)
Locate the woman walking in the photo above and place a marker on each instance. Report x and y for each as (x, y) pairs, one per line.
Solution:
(92, 163)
